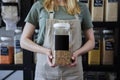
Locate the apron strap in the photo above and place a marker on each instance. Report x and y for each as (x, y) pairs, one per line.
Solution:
(76, 16)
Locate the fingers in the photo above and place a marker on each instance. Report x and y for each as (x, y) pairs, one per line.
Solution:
(74, 62)
(50, 58)
(50, 61)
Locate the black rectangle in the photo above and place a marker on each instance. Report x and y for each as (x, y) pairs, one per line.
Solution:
(84, 1)
(97, 45)
(61, 42)
(98, 3)
(112, 0)
(4, 51)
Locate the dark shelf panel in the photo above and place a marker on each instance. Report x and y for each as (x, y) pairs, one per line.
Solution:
(30, 66)
(105, 24)
(108, 68)
(11, 67)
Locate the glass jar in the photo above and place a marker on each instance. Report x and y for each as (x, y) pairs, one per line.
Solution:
(10, 16)
(18, 52)
(10, 0)
(94, 54)
(108, 47)
(6, 50)
(61, 51)
(61, 36)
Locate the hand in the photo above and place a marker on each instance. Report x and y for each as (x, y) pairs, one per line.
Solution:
(74, 59)
(49, 58)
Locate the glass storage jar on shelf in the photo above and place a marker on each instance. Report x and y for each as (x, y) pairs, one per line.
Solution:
(10, 13)
(61, 53)
(6, 50)
(94, 55)
(108, 47)
(18, 52)
(9, 1)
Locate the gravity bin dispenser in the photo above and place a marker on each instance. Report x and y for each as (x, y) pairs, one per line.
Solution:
(10, 13)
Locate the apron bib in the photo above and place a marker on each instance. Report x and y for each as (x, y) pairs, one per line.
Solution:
(43, 70)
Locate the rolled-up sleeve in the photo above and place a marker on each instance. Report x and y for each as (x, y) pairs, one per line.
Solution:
(87, 21)
(32, 16)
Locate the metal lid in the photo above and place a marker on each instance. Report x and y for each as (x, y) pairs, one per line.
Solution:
(62, 25)
(107, 31)
(18, 31)
(5, 38)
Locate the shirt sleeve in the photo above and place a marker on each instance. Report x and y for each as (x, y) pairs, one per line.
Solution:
(32, 16)
(87, 21)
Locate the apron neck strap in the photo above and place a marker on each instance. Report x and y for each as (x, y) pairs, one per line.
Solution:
(76, 16)
(51, 15)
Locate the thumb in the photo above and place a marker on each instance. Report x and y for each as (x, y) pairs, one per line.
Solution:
(50, 56)
(73, 58)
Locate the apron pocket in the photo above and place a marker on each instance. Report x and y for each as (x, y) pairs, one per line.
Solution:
(51, 72)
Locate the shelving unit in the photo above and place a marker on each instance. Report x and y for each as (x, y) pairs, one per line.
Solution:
(118, 44)
(29, 67)
(101, 26)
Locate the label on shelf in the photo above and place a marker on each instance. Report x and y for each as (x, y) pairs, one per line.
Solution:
(6, 55)
(4, 51)
(109, 45)
(98, 3)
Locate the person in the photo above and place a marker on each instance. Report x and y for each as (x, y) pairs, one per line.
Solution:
(42, 15)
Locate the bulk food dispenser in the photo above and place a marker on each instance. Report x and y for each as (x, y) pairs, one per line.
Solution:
(10, 13)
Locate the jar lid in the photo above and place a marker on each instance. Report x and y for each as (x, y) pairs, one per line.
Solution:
(5, 38)
(10, 0)
(62, 25)
(18, 31)
(96, 31)
(107, 31)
